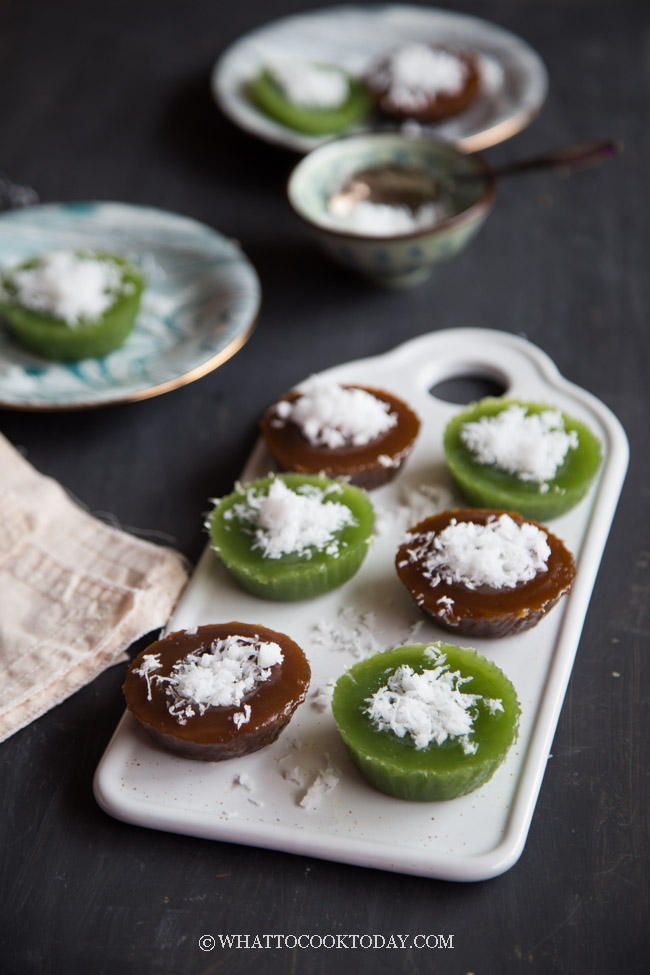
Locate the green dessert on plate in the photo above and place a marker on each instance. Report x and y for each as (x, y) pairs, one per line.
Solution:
(524, 457)
(426, 722)
(292, 536)
(70, 305)
(316, 99)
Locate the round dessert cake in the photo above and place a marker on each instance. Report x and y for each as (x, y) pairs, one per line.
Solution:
(358, 432)
(426, 722)
(484, 573)
(219, 691)
(292, 536)
(68, 305)
(316, 99)
(525, 457)
(425, 82)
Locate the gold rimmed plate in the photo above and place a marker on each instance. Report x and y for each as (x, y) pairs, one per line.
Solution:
(514, 77)
(200, 305)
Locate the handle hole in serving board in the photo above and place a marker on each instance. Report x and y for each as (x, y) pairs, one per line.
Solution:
(467, 387)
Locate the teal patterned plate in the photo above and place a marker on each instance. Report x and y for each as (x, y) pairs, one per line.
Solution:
(200, 305)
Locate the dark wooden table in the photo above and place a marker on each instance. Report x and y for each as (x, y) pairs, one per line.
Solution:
(112, 101)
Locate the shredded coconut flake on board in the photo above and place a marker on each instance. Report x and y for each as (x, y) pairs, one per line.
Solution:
(352, 632)
(295, 775)
(322, 696)
(244, 781)
(286, 521)
(332, 416)
(414, 505)
(74, 288)
(428, 707)
(417, 73)
(355, 632)
(500, 554)
(219, 677)
(325, 780)
(530, 446)
(311, 85)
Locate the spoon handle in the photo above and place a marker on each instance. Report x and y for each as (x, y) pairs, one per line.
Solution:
(569, 157)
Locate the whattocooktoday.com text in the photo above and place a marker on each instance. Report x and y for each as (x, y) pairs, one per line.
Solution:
(210, 942)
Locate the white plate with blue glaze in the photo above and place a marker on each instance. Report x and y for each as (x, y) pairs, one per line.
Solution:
(199, 307)
(514, 78)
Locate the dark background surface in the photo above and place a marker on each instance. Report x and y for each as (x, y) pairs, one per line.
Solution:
(111, 101)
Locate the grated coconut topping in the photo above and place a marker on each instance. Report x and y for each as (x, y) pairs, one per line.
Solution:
(287, 522)
(150, 662)
(74, 288)
(329, 415)
(428, 708)
(417, 73)
(500, 554)
(311, 85)
(532, 447)
(220, 677)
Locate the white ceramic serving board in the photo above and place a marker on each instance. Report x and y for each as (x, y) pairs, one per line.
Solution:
(265, 799)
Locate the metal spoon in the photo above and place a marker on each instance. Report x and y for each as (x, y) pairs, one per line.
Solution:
(579, 156)
(396, 184)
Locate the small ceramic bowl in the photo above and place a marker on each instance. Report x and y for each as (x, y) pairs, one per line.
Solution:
(399, 258)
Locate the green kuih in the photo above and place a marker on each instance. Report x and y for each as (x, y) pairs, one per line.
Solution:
(54, 338)
(496, 481)
(269, 96)
(426, 722)
(292, 536)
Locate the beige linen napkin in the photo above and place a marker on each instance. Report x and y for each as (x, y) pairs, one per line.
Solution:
(74, 592)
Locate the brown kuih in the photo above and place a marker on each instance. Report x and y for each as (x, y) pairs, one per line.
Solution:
(367, 466)
(213, 735)
(482, 610)
(431, 107)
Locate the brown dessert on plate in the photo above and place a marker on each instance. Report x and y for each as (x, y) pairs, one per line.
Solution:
(358, 432)
(425, 82)
(218, 691)
(484, 573)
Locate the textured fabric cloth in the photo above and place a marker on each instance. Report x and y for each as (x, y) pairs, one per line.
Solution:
(74, 592)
